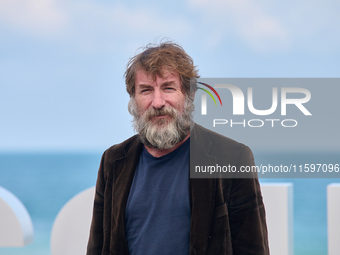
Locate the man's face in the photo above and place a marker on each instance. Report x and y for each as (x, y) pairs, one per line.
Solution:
(162, 113)
(158, 93)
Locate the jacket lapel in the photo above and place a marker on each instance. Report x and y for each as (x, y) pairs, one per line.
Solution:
(202, 192)
(124, 171)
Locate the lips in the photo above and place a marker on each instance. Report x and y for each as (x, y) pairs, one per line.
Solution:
(161, 116)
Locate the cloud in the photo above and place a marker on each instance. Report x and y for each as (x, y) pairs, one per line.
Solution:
(245, 18)
(272, 26)
(90, 25)
(40, 17)
(118, 25)
(314, 24)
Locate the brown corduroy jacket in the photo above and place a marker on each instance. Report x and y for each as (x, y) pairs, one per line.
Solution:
(227, 215)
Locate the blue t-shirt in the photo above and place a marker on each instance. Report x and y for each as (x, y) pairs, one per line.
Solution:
(158, 208)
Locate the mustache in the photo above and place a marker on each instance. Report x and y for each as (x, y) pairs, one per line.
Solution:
(150, 113)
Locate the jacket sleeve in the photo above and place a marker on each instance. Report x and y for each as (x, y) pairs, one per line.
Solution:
(247, 213)
(95, 243)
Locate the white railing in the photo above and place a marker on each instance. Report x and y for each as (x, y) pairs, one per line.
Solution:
(16, 225)
(333, 217)
(278, 201)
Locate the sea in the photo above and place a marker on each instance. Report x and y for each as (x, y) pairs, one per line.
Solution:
(45, 182)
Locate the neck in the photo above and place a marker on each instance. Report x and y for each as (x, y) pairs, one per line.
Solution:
(161, 152)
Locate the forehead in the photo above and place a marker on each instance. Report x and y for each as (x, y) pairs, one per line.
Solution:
(144, 77)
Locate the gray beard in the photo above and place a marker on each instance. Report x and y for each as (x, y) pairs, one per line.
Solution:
(162, 133)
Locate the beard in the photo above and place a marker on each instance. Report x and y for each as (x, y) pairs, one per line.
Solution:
(162, 133)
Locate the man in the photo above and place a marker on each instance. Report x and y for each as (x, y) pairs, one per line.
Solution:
(145, 202)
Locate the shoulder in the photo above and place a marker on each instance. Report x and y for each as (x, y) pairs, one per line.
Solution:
(210, 147)
(217, 142)
(120, 156)
(121, 150)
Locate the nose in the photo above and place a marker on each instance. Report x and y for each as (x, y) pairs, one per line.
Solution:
(158, 100)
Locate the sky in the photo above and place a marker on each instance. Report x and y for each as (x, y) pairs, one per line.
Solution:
(62, 62)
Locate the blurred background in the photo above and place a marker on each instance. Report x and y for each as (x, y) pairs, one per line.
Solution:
(63, 98)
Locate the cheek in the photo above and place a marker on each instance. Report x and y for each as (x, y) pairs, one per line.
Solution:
(142, 105)
(179, 103)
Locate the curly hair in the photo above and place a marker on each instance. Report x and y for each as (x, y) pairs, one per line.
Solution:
(155, 58)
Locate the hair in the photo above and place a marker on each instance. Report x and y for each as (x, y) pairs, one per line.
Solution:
(155, 58)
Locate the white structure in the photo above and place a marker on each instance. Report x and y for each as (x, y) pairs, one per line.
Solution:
(16, 225)
(333, 216)
(71, 228)
(278, 200)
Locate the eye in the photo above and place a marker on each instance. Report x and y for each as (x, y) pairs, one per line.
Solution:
(145, 91)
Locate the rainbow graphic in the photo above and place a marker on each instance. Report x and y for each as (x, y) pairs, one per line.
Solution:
(208, 92)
